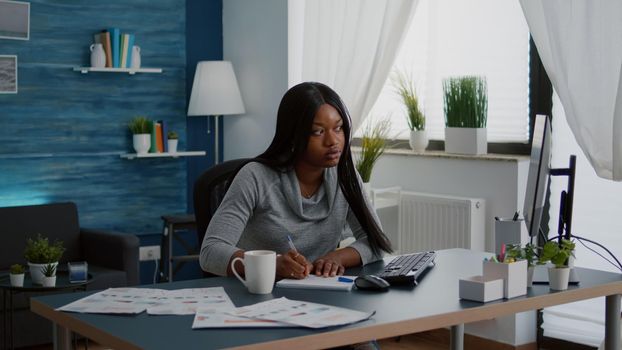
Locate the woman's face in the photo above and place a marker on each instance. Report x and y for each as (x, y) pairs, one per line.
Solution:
(327, 138)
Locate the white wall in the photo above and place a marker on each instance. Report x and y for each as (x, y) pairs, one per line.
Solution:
(255, 41)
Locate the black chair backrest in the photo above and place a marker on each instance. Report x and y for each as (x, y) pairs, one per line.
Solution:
(209, 190)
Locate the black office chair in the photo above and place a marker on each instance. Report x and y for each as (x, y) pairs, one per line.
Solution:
(209, 190)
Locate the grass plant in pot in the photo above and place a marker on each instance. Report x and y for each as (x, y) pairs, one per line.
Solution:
(405, 88)
(16, 274)
(465, 102)
(173, 139)
(141, 134)
(558, 254)
(530, 253)
(49, 275)
(39, 252)
(373, 144)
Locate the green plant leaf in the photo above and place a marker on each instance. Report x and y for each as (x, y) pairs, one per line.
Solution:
(373, 144)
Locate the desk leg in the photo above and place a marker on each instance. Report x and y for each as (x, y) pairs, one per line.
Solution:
(456, 340)
(62, 338)
(612, 322)
(5, 315)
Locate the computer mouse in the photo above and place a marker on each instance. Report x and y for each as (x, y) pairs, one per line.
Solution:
(371, 282)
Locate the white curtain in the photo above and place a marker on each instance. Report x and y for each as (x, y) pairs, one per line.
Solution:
(349, 45)
(580, 44)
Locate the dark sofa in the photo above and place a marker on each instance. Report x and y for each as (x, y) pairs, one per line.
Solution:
(112, 257)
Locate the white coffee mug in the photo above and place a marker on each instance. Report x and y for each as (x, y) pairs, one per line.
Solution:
(259, 269)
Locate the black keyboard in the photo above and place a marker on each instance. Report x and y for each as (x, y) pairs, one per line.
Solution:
(406, 269)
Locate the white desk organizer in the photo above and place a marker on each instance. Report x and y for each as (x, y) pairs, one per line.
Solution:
(479, 289)
(514, 276)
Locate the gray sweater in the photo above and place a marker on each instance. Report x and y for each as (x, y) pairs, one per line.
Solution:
(263, 206)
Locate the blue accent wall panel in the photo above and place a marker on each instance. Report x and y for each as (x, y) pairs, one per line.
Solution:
(61, 135)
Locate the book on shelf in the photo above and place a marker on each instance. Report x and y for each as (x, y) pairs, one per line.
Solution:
(154, 146)
(115, 39)
(105, 39)
(130, 44)
(164, 125)
(159, 145)
(124, 40)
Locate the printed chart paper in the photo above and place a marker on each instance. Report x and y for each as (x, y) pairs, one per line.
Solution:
(301, 313)
(157, 301)
(219, 318)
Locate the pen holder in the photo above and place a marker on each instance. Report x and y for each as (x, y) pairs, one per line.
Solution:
(507, 231)
(514, 276)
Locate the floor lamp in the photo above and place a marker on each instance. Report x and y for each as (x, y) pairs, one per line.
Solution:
(215, 92)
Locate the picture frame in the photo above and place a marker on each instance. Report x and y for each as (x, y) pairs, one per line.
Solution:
(14, 20)
(8, 74)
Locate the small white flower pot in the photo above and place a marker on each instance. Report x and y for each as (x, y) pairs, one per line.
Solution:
(17, 280)
(558, 278)
(49, 281)
(36, 272)
(472, 141)
(142, 143)
(418, 140)
(530, 270)
(367, 190)
(172, 146)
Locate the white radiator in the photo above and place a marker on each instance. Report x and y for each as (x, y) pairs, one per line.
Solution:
(431, 222)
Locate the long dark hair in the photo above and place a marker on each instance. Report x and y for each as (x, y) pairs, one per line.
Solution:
(293, 129)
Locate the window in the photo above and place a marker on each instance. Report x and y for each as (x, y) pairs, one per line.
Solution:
(456, 37)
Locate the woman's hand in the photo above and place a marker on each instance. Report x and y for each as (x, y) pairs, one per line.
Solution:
(328, 266)
(292, 265)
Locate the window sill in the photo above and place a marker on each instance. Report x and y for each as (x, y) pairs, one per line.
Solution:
(443, 154)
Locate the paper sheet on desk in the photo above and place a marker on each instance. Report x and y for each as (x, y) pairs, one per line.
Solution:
(318, 282)
(155, 301)
(218, 318)
(301, 313)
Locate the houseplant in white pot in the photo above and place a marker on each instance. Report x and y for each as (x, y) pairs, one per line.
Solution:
(141, 134)
(373, 144)
(49, 275)
(172, 141)
(414, 115)
(16, 273)
(530, 253)
(558, 254)
(39, 252)
(465, 102)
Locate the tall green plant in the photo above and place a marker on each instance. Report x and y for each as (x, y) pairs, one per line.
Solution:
(405, 88)
(373, 145)
(465, 102)
(40, 251)
(140, 125)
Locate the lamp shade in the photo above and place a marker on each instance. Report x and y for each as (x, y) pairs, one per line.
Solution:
(215, 90)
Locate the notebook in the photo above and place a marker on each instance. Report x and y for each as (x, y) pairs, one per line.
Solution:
(318, 282)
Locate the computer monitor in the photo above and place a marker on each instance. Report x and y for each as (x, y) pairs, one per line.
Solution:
(537, 177)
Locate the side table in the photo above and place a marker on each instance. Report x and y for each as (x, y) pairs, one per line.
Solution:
(8, 291)
(173, 223)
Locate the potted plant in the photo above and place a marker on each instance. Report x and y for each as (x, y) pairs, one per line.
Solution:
(530, 253)
(465, 102)
(415, 117)
(558, 254)
(16, 274)
(172, 141)
(39, 252)
(141, 134)
(373, 144)
(49, 275)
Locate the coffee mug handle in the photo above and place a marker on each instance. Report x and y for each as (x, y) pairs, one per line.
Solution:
(234, 271)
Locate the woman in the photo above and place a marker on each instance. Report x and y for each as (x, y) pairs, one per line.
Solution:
(305, 186)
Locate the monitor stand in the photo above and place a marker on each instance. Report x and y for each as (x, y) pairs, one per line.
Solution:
(541, 275)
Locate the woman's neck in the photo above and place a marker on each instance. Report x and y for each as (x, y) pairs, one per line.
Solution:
(309, 178)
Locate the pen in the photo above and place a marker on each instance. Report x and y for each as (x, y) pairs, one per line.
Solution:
(502, 255)
(344, 279)
(291, 244)
(515, 216)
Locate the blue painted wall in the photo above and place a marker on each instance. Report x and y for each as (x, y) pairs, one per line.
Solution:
(61, 135)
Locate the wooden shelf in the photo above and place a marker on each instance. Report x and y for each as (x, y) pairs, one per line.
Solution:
(163, 155)
(130, 71)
